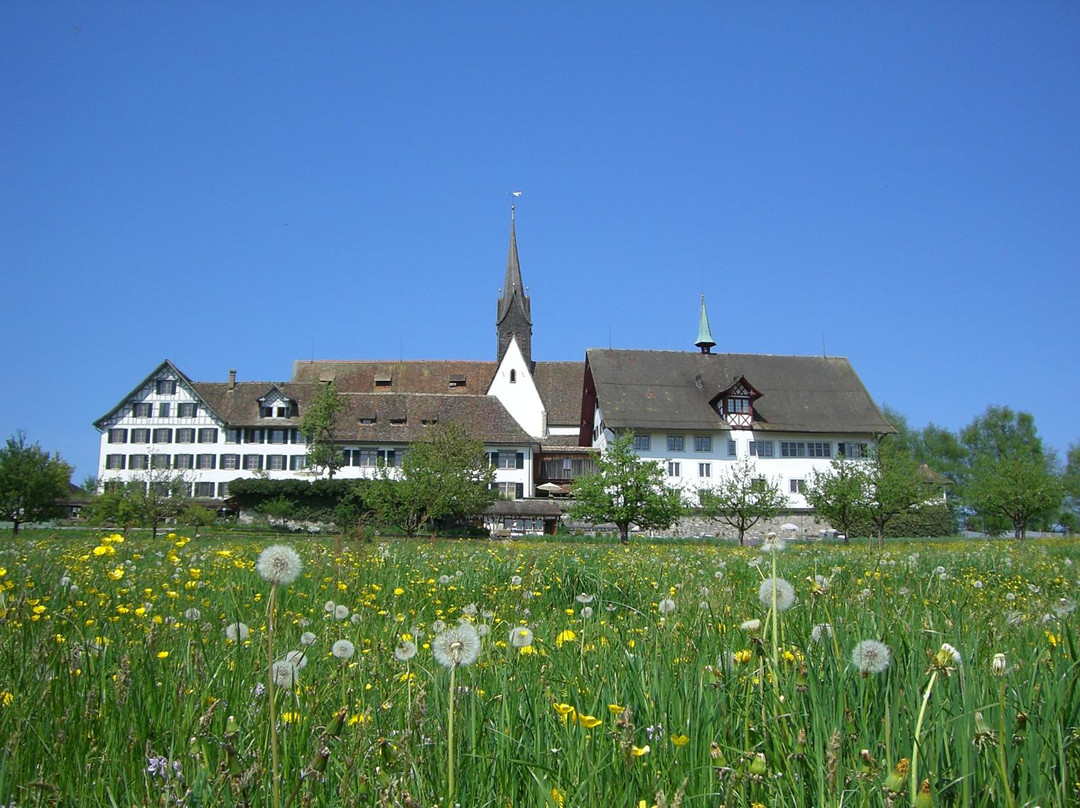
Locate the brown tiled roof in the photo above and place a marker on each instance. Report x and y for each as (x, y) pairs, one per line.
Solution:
(483, 417)
(238, 405)
(406, 376)
(672, 389)
(559, 385)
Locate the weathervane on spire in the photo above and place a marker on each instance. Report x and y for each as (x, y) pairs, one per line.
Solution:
(514, 195)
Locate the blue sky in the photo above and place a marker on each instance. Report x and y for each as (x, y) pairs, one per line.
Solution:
(238, 185)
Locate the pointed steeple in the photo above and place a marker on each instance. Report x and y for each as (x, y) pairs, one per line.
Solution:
(514, 314)
(704, 334)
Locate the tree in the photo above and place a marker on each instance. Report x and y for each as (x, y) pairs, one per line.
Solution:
(33, 483)
(894, 484)
(839, 494)
(1017, 488)
(741, 499)
(1009, 479)
(319, 427)
(196, 516)
(154, 496)
(1070, 483)
(443, 479)
(626, 490)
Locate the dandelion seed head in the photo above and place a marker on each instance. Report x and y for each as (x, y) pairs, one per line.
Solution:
(871, 656)
(343, 649)
(520, 637)
(283, 673)
(515, 580)
(779, 588)
(298, 659)
(483, 629)
(307, 638)
(236, 632)
(456, 646)
(584, 598)
(586, 612)
(820, 631)
(666, 606)
(192, 614)
(341, 611)
(279, 565)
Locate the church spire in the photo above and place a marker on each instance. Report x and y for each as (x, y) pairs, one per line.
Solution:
(514, 314)
(704, 335)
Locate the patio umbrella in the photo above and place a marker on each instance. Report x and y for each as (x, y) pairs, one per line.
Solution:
(789, 526)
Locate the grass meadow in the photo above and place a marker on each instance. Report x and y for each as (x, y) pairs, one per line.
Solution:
(140, 673)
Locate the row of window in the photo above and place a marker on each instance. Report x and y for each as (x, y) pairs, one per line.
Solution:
(674, 469)
(145, 409)
(371, 458)
(204, 435)
(206, 462)
(201, 490)
(766, 448)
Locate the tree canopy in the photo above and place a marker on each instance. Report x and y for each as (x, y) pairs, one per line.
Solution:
(33, 483)
(443, 479)
(626, 490)
(319, 426)
(742, 498)
(838, 494)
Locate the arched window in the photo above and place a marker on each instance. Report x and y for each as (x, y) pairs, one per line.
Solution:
(513, 376)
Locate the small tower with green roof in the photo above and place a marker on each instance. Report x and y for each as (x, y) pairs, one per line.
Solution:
(704, 335)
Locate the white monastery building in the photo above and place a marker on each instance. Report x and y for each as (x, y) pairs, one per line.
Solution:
(694, 412)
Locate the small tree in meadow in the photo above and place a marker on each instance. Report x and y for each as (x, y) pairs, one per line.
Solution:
(742, 498)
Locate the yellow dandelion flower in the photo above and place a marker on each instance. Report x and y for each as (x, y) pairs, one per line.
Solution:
(616, 709)
(162, 654)
(116, 574)
(589, 721)
(680, 740)
(639, 751)
(6, 699)
(557, 797)
(743, 656)
(566, 636)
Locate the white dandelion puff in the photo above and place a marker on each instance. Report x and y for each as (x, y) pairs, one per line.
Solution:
(779, 588)
(279, 565)
(871, 656)
(236, 632)
(405, 651)
(307, 638)
(343, 649)
(283, 673)
(341, 611)
(456, 646)
(521, 637)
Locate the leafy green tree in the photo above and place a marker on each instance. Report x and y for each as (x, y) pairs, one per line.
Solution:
(277, 510)
(1009, 479)
(319, 426)
(33, 483)
(626, 490)
(741, 498)
(1017, 488)
(196, 516)
(443, 479)
(1070, 482)
(839, 494)
(153, 497)
(893, 483)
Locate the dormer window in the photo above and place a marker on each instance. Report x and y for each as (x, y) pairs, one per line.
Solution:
(266, 412)
(735, 405)
(383, 380)
(457, 381)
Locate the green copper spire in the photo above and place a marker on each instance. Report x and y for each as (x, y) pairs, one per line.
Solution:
(704, 334)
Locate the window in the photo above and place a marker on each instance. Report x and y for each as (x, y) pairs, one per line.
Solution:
(704, 469)
(390, 457)
(702, 443)
(162, 436)
(460, 381)
(138, 462)
(857, 450)
(282, 412)
(117, 436)
(163, 409)
(222, 490)
(204, 490)
(275, 462)
(761, 448)
(183, 461)
(208, 435)
(732, 449)
(266, 412)
(509, 490)
(641, 443)
(114, 462)
(368, 458)
(674, 468)
(513, 376)
(205, 461)
(165, 387)
(800, 449)
(297, 462)
(144, 410)
(186, 410)
(159, 461)
(797, 486)
(510, 460)
(737, 405)
(230, 462)
(254, 436)
(759, 484)
(232, 435)
(185, 435)
(253, 462)
(140, 436)
(674, 443)
(279, 435)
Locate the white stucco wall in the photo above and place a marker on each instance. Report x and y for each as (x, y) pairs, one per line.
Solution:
(520, 396)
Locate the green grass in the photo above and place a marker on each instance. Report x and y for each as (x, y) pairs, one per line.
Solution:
(101, 673)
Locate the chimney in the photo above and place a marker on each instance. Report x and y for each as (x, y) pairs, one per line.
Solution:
(232, 378)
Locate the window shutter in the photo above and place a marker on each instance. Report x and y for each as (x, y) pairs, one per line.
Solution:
(520, 462)
(519, 488)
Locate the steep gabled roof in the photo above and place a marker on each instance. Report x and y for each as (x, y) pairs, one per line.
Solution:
(559, 385)
(513, 291)
(672, 389)
(165, 365)
(238, 404)
(484, 417)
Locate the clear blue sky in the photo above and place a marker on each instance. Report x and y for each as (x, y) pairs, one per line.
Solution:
(238, 185)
